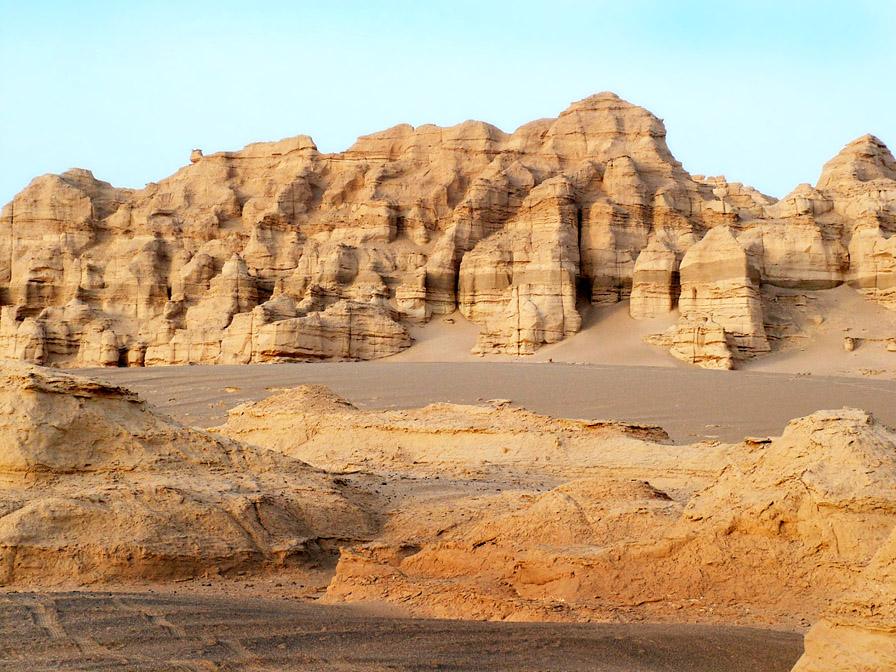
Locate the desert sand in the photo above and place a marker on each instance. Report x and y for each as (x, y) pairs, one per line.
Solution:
(490, 511)
(583, 381)
(192, 532)
(153, 631)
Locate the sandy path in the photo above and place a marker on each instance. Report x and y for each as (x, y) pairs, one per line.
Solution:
(144, 631)
(689, 403)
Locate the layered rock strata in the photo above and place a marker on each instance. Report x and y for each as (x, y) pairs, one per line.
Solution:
(241, 256)
(655, 281)
(859, 631)
(720, 306)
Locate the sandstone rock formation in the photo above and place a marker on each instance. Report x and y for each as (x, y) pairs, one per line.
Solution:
(655, 281)
(328, 432)
(242, 256)
(779, 532)
(97, 487)
(859, 632)
(520, 284)
(486, 511)
(720, 305)
(602, 520)
(700, 341)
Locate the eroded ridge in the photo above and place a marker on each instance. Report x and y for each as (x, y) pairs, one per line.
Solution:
(280, 252)
(460, 511)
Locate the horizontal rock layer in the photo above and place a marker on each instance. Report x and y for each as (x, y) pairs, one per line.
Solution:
(771, 530)
(241, 256)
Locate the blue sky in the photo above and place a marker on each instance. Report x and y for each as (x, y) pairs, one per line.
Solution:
(762, 92)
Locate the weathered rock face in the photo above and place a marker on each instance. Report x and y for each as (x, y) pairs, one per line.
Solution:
(655, 281)
(720, 286)
(859, 631)
(784, 528)
(520, 284)
(109, 490)
(765, 531)
(512, 228)
(700, 341)
(345, 330)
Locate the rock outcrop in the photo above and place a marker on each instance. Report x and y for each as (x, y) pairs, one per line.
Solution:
(606, 520)
(330, 433)
(97, 487)
(655, 281)
(520, 284)
(538, 518)
(781, 530)
(859, 631)
(700, 341)
(517, 230)
(719, 291)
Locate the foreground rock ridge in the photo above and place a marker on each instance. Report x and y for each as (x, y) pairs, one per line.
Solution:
(457, 511)
(95, 486)
(279, 252)
(609, 521)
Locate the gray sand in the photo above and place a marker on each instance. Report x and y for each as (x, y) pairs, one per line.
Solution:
(690, 404)
(145, 631)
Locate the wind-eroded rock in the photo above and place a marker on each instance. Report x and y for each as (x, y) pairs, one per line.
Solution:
(514, 229)
(781, 530)
(594, 519)
(859, 631)
(655, 281)
(330, 433)
(767, 531)
(97, 487)
(520, 284)
(719, 285)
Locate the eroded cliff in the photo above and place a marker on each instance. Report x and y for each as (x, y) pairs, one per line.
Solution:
(280, 252)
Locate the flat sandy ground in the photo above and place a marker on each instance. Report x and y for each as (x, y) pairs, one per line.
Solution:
(147, 631)
(689, 403)
(606, 371)
(806, 331)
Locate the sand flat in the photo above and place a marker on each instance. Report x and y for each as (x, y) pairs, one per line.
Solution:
(155, 631)
(689, 403)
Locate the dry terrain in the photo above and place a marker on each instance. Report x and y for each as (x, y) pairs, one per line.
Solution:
(539, 455)
(484, 511)
(715, 404)
(279, 252)
(165, 631)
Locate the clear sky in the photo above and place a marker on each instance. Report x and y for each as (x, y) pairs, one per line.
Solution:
(763, 92)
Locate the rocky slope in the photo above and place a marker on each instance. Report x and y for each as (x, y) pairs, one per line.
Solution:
(598, 520)
(95, 486)
(280, 252)
(859, 631)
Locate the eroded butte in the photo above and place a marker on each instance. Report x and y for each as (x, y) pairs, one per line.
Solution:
(279, 252)
(579, 238)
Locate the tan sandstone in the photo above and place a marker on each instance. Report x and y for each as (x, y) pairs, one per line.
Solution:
(606, 520)
(516, 230)
(98, 487)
